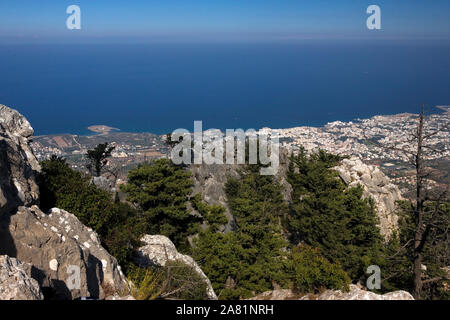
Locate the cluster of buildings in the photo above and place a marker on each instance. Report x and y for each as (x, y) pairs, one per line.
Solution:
(378, 138)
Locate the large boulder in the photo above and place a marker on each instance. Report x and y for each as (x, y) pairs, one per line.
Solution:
(357, 293)
(158, 250)
(15, 284)
(118, 297)
(15, 123)
(18, 165)
(59, 246)
(377, 186)
(56, 245)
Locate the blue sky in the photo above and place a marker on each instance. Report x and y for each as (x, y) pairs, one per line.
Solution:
(36, 20)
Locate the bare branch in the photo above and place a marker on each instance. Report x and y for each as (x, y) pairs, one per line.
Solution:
(435, 279)
(447, 126)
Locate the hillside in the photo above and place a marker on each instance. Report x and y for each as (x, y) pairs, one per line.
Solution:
(231, 232)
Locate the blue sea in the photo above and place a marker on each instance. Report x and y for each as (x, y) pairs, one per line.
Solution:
(160, 87)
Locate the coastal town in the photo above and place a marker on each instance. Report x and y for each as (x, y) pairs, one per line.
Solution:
(370, 139)
(380, 140)
(383, 140)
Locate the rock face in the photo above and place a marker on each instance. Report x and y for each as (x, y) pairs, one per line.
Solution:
(376, 185)
(64, 257)
(210, 181)
(357, 293)
(18, 164)
(103, 183)
(59, 247)
(158, 250)
(15, 284)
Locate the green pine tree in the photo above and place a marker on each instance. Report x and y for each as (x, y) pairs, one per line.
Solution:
(161, 190)
(327, 215)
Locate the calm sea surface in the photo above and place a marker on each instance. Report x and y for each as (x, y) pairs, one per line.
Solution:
(161, 87)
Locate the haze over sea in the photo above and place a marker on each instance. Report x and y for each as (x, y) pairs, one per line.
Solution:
(160, 87)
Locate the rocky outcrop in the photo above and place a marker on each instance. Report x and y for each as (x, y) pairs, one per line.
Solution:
(18, 164)
(15, 284)
(117, 297)
(158, 250)
(376, 185)
(210, 180)
(64, 256)
(356, 293)
(103, 183)
(66, 259)
(60, 248)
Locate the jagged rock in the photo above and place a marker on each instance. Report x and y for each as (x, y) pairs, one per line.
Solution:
(210, 181)
(13, 122)
(18, 165)
(376, 185)
(56, 243)
(158, 250)
(15, 284)
(281, 176)
(103, 183)
(357, 293)
(87, 238)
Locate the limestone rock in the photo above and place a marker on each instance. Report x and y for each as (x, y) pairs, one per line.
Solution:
(210, 181)
(103, 183)
(158, 250)
(117, 297)
(376, 185)
(357, 293)
(15, 284)
(69, 226)
(13, 122)
(57, 245)
(18, 165)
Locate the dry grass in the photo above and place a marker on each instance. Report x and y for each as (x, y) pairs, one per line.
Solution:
(108, 289)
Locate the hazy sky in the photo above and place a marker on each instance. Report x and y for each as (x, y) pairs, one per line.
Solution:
(25, 20)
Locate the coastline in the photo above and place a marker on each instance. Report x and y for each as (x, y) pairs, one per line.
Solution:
(105, 129)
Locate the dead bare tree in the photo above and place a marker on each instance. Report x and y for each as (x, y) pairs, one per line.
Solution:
(423, 228)
(427, 218)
